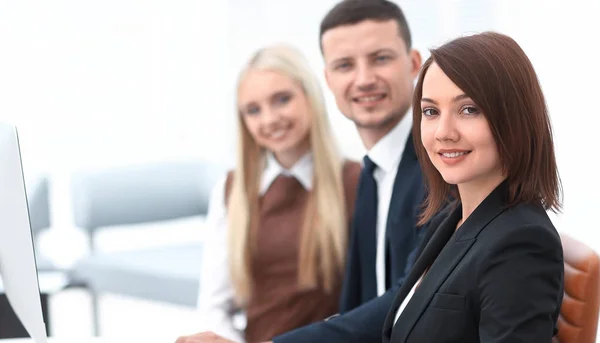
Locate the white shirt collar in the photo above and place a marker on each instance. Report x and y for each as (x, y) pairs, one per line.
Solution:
(386, 153)
(302, 170)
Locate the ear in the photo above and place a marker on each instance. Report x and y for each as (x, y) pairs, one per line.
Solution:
(416, 61)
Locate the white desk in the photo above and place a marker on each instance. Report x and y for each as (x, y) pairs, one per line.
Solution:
(161, 338)
(63, 340)
(128, 339)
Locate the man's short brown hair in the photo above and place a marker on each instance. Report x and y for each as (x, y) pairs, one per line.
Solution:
(350, 12)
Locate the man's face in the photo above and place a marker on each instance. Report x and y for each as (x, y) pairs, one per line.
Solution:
(370, 72)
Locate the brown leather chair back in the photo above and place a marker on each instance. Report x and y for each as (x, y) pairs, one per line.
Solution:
(578, 319)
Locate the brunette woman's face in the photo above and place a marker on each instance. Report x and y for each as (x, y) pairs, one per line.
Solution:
(456, 134)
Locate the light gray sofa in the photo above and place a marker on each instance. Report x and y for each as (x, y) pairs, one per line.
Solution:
(134, 195)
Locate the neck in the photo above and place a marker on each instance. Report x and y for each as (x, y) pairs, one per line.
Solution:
(288, 158)
(370, 136)
(473, 193)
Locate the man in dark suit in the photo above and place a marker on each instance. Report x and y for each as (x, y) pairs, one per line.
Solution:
(370, 67)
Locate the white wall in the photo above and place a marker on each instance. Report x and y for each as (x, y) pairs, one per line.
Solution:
(560, 41)
(111, 82)
(98, 84)
(103, 83)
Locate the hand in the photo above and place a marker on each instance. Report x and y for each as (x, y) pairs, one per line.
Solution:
(203, 337)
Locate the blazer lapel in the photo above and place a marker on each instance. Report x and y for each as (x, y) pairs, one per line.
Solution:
(429, 253)
(442, 254)
(399, 193)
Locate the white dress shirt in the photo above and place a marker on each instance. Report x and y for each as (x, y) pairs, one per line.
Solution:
(216, 293)
(386, 154)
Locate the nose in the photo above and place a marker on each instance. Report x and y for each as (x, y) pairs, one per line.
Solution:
(268, 118)
(365, 77)
(446, 128)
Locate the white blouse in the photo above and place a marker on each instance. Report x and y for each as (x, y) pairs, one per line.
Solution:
(407, 299)
(216, 303)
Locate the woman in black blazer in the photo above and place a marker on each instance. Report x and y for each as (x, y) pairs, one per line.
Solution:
(490, 268)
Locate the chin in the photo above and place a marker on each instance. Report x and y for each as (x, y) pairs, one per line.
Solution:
(284, 147)
(453, 179)
(371, 120)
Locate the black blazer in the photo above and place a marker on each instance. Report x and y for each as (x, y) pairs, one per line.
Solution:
(498, 278)
(360, 282)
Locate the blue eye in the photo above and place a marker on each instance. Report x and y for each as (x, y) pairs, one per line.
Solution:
(382, 58)
(344, 65)
(281, 98)
(284, 99)
(252, 110)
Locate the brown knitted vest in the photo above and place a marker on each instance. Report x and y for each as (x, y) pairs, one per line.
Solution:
(277, 305)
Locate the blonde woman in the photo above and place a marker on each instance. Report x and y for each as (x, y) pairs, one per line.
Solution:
(279, 222)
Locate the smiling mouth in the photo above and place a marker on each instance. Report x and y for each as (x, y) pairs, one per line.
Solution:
(454, 154)
(278, 133)
(369, 98)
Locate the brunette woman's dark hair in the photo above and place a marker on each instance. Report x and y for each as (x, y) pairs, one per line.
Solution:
(493, 70)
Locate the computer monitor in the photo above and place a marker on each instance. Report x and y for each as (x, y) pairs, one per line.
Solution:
(17, 258)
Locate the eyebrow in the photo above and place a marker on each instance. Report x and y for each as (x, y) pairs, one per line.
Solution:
(280, 92)
(371, 54)
(383, 50)
(455, 99)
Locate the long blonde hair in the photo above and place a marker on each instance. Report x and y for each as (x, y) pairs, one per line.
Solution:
(324, 232)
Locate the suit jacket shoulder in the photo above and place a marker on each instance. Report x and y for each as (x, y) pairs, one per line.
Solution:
(498, 278)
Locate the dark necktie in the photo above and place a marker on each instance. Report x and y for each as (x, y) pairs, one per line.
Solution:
(368, 200)
(369, 194)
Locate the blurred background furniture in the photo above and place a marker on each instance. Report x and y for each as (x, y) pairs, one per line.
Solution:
(38, 200)
(578, 320)
(134, 195)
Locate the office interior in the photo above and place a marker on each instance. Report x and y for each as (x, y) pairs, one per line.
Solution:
(141, 95)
